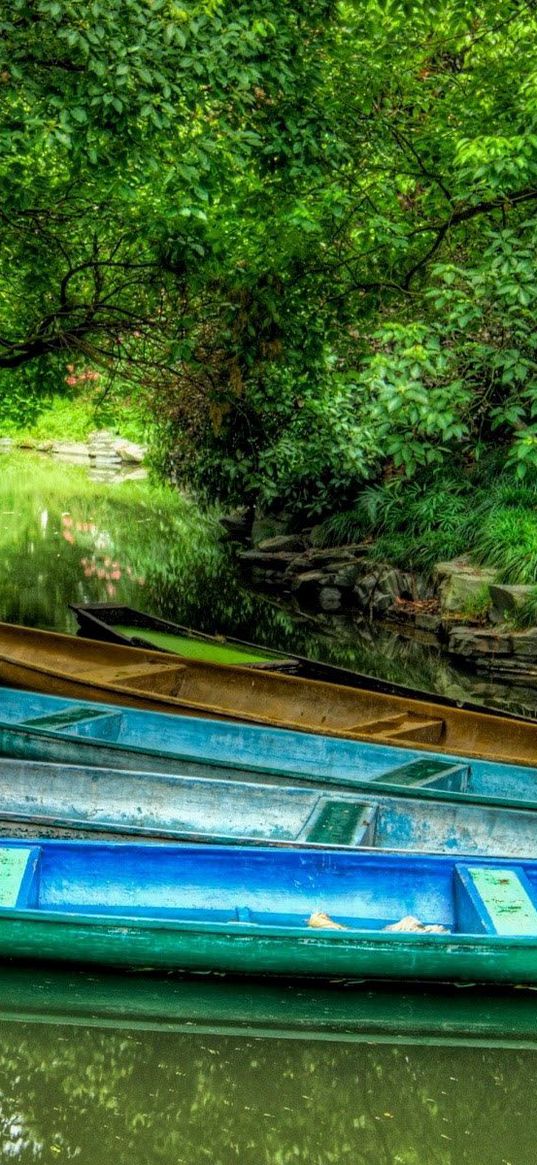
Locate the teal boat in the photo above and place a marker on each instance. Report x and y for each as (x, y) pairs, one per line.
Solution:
(39, 799)
(343, 1012)
(51, 728)
(258, 911)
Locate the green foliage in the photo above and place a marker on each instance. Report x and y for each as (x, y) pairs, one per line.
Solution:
(306, 230)
(439, 516)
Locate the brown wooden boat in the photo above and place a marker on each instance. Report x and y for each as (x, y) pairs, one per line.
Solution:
(83, 669)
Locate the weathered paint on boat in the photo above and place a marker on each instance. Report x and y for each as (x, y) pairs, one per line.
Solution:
(38, 727)
(118, 623)
(343, 1012)
(245, 910)
(84, 669)
(39, 799)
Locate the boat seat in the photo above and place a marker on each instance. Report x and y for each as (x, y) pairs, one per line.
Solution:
(495, 900)
(405, 726)
(67, 718)
(243, 914)
(340, 823)
(128, 672)
(19, 876)
(435, 774)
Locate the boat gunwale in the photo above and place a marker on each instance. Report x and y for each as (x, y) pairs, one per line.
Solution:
(173, 705)
(351, 937)
(356, 785)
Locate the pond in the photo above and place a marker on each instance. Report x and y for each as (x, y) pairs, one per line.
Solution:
(65, 538)
(143, 1097)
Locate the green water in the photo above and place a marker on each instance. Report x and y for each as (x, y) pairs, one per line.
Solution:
(129, 1097)
(193, 648)
(64, 538)
(144, 1097)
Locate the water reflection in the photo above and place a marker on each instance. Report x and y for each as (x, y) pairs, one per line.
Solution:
(65, 538)
(144, 1098)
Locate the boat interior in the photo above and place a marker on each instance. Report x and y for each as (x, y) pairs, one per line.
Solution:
(270, 888)
(83, 799)
(234, 749)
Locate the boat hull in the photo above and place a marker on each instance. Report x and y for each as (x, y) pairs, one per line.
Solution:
(102, 621)
(289, 954)
(83, 669)
(51, 800)
(45, 728)
(265, 912)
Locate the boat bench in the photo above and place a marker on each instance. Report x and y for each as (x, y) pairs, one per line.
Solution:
(80, 721)
(19, 876)
(334, 822)
(428, 774)
(494, 900)
(403, 726)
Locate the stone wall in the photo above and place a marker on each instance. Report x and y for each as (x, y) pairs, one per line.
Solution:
(460, 603)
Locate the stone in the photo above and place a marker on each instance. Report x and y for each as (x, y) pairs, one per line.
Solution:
(336, 553)
(310, 578)
(6, 443)
(330, 599)
(427, 622)
(470, 642)
(130, 452)
(462, 585)
(506, 601)
(525, 644)
(282, 542)
(347, 576)
(70, 449)
(364, 589)
(267, 527)
(279, 560)
(381, 602)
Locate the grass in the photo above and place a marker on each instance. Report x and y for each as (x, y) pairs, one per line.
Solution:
(490, 518)
(73, 419)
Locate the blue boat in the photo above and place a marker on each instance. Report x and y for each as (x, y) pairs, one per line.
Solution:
(51, 728)
(259, 911)
(44, 800)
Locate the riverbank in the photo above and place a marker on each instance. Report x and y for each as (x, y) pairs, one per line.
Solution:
(68, 536)
(461, 605)
(106, 454)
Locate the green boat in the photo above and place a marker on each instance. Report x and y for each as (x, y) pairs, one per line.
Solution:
(342, 1012)
(252, 911)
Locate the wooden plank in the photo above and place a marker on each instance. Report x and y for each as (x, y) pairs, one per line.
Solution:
(421, 772)
(14, 865)
(506, 901)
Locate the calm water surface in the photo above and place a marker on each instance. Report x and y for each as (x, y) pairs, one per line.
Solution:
(99, 1096)
(135, 1098)
(65, 538)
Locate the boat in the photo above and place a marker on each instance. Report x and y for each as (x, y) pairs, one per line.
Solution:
(46, 728)
(340, 1012)
(118, 623)
(267, 911)
(39, 799)
(88, 670)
